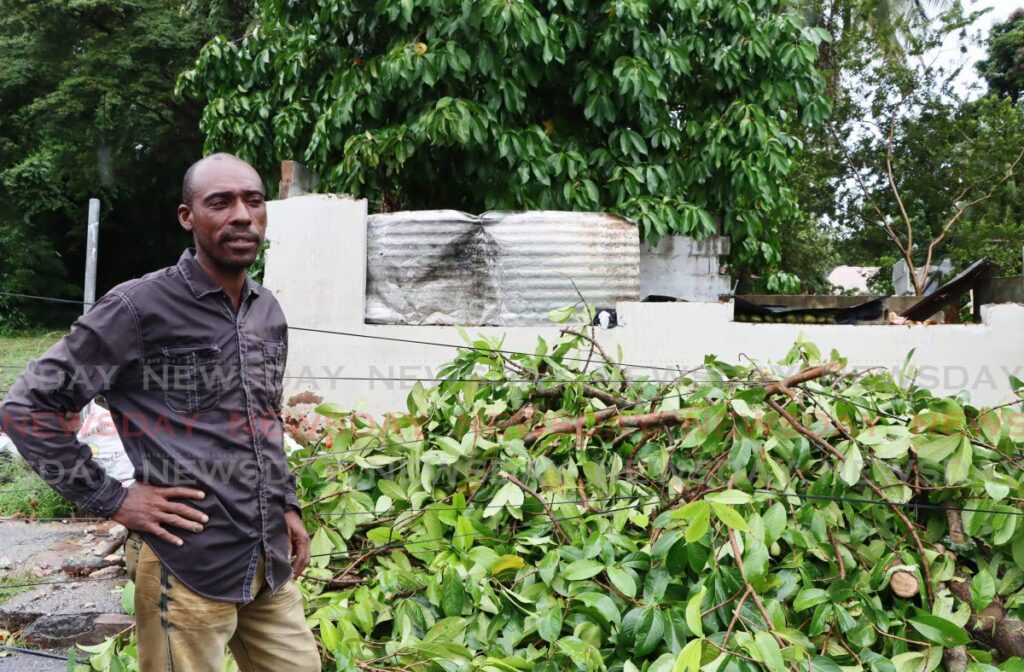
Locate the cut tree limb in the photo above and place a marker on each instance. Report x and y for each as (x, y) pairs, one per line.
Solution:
(904, 584)
(991, 624)
(664, 418)
(827, 447)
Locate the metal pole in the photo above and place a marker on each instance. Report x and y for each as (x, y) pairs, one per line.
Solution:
(92, 253)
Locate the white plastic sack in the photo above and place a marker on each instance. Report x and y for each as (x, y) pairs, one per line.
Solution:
(7, 446)
(99, 432)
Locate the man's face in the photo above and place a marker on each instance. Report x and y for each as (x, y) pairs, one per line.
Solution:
(228, 213)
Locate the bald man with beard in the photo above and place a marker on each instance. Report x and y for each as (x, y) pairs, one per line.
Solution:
(191, 361)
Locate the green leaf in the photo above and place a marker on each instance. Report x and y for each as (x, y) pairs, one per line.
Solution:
(774, 522)
(1005, 531)
(689, 658)
(333, 411)
(700, 523)
(755, 560)
(622, 580)
(771, 655)
(983, 590)
(128, 598)
(851, 467)
(509, 495)
(958, 467)
(693, 613)
(729, 497)
(676, 560)
(462, 540)
(562, 315)
(938, 449)
(729, 517)
(939, 631)
(991, 424)
(820, 664)
(440, 458)
(583, 654)
(742, 409)
(582, 570)
(809, 597)
(549, 622)
(453, 594)
(649, 632)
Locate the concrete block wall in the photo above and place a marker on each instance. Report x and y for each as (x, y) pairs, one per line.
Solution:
(316, 266)
(684, 268)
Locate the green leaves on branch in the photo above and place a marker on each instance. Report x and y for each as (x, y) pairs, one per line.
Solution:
(677, 114)
(623, 551)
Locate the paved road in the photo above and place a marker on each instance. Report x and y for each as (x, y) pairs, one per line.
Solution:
(20, 662)
(46, 545)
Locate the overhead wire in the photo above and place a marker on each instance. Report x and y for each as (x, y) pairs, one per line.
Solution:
(395, 339)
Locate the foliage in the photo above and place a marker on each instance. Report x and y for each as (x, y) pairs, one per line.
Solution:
(951, 190)
(87, 109)
(22, 492)
(465, 535)
(498, 526)
(1003, 68)
(810, 252)
(676, 113)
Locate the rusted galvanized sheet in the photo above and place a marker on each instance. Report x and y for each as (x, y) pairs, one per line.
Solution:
(503, 269)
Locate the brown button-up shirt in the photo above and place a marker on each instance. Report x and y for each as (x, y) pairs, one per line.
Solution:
(194, 389)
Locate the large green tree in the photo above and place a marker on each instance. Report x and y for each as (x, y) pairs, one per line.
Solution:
(677, 113)
(910, 165)
(87, 109)
(1003, 66)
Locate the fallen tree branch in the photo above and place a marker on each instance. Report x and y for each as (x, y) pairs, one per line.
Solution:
(665, 418)
(737, 556)
(604, 355)
(804, 376)
(533, 493)
(337, 583)
(827, 447)
(588, 391)
(640, 421)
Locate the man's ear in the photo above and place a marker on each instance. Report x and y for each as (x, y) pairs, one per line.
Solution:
(185, 217)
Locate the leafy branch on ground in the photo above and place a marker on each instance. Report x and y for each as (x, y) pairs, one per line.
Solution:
(733, 519)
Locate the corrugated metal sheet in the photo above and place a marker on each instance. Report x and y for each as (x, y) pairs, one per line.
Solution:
(504, 269)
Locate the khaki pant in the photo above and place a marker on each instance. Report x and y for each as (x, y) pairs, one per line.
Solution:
(180, 631)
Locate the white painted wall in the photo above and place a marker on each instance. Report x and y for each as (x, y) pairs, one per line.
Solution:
(316, 266)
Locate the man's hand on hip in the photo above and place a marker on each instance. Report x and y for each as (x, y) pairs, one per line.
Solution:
(147, 508)
(298, 541)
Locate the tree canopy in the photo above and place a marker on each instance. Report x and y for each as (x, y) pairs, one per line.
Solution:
(908, 147)
(1003, 68)
(87, 109)
(676, 113)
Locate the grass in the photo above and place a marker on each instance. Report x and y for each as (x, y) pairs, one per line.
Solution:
(24, 493)
(15, 579)
(21, 491)
(16, 350)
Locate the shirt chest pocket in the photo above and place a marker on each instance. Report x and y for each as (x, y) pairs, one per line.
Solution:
(273, 369)
(190, 377)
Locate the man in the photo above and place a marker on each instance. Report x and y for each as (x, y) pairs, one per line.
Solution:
(191, 360)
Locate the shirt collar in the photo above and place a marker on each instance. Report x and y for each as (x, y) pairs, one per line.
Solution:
(202, 284)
